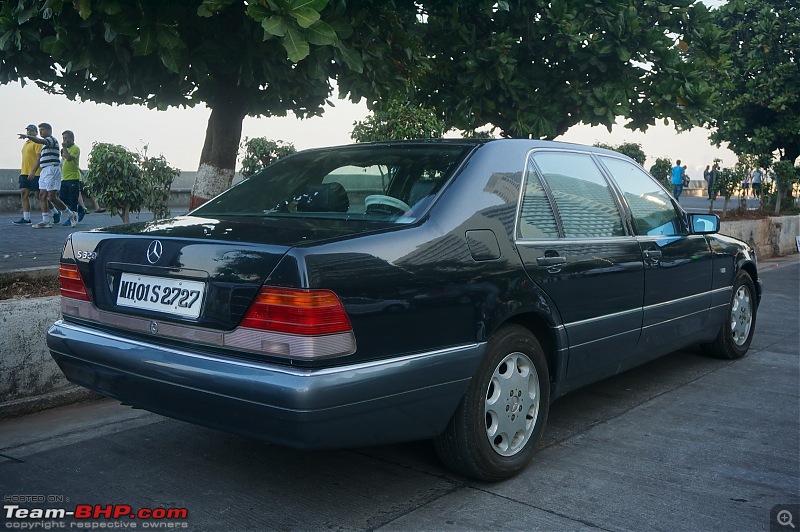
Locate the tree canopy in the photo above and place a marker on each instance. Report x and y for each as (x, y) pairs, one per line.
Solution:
(399, 121)
(759, 111)
(534, 68)
(268, 57)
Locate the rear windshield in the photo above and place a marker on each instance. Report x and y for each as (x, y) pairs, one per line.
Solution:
(394, 183)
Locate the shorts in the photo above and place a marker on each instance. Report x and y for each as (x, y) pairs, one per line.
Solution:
(30, 184)
(50, 178)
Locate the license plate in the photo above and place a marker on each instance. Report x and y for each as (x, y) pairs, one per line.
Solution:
(173, 296)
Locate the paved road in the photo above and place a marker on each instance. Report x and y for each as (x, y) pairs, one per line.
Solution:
(23, 247)
(683, 443)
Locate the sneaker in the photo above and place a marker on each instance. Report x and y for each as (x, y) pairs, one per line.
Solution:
(42, 225)
(74, 219)
(81, 213)
(56, 217)
(21, 221)
(68, 223)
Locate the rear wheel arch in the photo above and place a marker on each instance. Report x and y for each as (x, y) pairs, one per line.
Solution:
(542, 329)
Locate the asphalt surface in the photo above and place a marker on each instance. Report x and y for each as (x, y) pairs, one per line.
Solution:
(22, 247)
(682, 443)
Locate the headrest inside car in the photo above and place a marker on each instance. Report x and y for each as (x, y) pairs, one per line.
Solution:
(325, 197)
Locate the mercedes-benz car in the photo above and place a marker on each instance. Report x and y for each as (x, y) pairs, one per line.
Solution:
(387, 292)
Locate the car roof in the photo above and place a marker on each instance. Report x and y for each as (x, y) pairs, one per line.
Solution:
(528, 143)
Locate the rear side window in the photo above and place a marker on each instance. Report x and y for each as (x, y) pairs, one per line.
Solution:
(651, 207)
(583, 199)
(536, 218)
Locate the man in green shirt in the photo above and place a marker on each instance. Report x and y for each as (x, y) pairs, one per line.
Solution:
(70, 174)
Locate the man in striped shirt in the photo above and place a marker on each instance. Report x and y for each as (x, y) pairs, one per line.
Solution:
(50, 178)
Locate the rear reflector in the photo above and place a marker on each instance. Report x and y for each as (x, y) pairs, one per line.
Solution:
(305, 312)
(71, 282)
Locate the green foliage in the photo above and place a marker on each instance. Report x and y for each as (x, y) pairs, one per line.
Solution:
(631, 149)
(268, 57)
(536, 68)
(478, 134)
(759, 108)
(786, 177)
(662, 170)
(399, 121)
(728, 182)
(261, 152)
(124, 181)
(158, 176)
(115, 179)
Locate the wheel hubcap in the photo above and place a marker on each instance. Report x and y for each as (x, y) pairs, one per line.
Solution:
(512, 404)
(741, 316)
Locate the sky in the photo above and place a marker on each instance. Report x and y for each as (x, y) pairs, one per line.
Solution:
(178, 133)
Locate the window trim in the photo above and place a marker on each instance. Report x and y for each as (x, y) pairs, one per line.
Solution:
(680, 214)
(622, 207)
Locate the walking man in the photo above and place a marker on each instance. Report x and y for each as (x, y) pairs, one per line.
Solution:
(677, 179)
(28, 180)
(70, 175)
(50, 177)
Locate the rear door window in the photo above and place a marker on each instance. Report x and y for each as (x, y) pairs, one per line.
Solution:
(583, 199)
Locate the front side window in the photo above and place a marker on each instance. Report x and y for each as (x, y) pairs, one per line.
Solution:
(651, 207)
(583, 198)
(373, 183)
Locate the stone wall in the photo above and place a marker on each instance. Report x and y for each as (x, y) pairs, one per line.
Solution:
(771, 237)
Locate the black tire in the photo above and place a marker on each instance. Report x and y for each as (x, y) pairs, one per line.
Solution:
(509, 392)
(736, 332)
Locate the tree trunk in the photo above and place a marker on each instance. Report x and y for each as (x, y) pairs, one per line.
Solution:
(725, 207)
(218, 159)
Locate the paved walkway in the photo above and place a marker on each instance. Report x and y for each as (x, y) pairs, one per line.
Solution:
(22, 247)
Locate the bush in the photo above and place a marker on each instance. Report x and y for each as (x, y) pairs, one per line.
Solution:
(158, 175)
(261, 152)
(115, 179)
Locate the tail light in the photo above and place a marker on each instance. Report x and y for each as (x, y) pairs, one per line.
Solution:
(303, 312)
(72, 284)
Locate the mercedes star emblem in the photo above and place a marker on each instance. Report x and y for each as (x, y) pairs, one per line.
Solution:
(154, 251)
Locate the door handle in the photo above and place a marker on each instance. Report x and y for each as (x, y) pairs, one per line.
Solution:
(550, 261)
(652, 255)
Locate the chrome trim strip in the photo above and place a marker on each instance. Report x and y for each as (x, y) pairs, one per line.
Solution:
(683, 316)
(636, 331)
(603, 317)
(253, 340)
(648, 307)
(686, 298)
(297, 372)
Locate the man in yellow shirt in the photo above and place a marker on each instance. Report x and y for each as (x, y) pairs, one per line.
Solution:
(28, 184)
(70, 174)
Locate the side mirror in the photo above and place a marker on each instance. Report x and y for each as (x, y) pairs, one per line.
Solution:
(704, 224)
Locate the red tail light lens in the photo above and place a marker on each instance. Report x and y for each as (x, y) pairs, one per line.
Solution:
(72, 284)
(306, 312)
